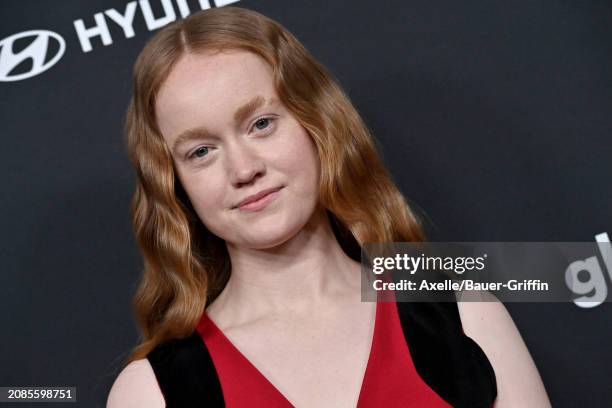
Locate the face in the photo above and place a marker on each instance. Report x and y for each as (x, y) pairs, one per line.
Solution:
(249, 168)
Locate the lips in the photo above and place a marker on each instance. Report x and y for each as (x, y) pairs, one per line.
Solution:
(256, 197)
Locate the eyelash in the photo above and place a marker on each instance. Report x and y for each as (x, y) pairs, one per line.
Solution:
(270, 119)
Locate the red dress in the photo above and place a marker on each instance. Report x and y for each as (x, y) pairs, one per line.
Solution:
(390, 379)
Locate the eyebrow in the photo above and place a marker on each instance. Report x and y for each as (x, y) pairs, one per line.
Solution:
(240, 115)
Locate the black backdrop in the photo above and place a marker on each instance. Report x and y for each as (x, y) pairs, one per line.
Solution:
(494, 117)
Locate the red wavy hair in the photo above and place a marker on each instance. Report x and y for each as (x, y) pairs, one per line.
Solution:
(186, 266)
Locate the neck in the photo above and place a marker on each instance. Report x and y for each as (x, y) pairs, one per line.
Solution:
(305, 272)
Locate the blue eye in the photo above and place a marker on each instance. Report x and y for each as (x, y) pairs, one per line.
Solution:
(199, 152)
(263, 121)
(260, 124)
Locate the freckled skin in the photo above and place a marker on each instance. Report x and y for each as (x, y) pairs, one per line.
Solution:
(242, 158)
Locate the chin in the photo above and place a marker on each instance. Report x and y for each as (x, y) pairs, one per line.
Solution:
(267, 236)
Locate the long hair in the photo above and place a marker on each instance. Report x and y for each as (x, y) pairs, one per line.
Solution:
(185, 265)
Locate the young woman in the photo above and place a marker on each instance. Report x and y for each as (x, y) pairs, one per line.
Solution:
(257, 184)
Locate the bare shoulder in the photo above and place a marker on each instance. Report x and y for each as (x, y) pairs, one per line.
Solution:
(490, 325)
(136, 387)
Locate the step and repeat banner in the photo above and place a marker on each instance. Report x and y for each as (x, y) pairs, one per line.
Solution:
(494, 119)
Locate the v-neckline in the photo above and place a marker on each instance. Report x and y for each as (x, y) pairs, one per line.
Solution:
(377, 311)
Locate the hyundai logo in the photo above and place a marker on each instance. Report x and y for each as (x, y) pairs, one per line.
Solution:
(36, 51)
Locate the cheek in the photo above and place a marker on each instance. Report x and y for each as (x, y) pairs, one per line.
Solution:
(301, 161)
(206, 195)
(309, 165)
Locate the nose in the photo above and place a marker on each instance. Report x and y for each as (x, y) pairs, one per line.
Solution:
(244, 165)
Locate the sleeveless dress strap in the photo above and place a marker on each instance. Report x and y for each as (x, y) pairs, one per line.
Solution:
(186, 374)
(449, 361)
